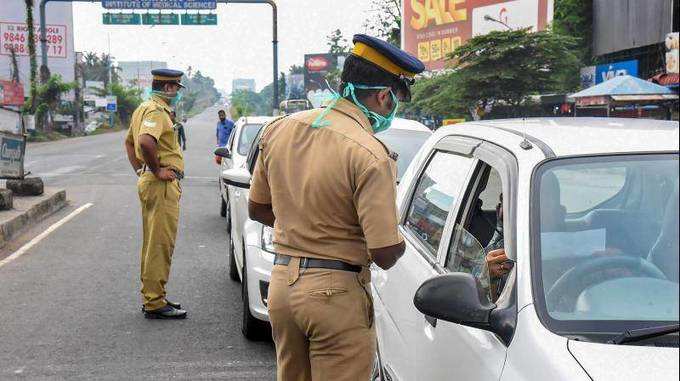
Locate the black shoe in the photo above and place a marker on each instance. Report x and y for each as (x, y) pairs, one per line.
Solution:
(167, 312)
(176, 306)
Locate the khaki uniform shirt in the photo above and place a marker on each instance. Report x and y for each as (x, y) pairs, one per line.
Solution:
(332, 188)
(153, 118)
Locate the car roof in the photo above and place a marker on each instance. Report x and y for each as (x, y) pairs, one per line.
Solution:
(408, 124)
(256, 119)
(584, 136)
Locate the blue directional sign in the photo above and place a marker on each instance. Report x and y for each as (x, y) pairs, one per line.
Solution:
(159, 4)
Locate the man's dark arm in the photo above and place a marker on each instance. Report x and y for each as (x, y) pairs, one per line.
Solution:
(149, 150)
(261, 213)
(387, 257)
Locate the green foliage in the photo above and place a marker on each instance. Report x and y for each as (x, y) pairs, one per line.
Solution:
(127, 100)
(385, 20)
(296, 69)
(249, 103)
(199, 94)
(503, 67)
(336, 42)
(97, 68)
(48, 97)
(575, 18)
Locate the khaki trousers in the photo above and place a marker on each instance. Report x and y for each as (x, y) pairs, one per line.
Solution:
(160, 215)
(322, 324)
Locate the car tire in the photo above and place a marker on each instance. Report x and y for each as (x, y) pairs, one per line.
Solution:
(233, 270)
(251, 327)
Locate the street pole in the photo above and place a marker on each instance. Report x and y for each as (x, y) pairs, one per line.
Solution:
(275, 39)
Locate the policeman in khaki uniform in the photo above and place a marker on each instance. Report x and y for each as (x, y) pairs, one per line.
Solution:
(154, 153)
(328, 187)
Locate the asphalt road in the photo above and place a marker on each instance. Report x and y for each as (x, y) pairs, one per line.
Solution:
(70, 306)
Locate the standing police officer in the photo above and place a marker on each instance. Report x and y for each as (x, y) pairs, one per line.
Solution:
(328, 187)
(154, 153)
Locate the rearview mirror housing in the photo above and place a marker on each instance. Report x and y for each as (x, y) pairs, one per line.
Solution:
(460, 298)
(238, 177)
(222, 152)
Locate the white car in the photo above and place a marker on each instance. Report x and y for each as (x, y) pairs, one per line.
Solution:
(590, 227)
(405, 138)
(234, 155)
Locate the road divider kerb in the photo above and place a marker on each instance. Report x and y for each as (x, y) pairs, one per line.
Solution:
(22, 250)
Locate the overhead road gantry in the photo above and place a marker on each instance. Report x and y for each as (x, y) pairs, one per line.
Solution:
(275, 39)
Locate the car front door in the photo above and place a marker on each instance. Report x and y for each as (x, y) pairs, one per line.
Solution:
(406, 338)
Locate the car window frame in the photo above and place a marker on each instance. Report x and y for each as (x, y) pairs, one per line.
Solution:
(232, 137)
(456, 145)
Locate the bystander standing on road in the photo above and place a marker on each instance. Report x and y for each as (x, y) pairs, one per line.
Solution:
(320, 302)
(154, 153)
(222, 132)
(179, 127)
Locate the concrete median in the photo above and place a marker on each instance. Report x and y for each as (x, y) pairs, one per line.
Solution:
(29, 211)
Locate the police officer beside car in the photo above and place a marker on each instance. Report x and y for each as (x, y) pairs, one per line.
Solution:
(328, 187)
(154, 153)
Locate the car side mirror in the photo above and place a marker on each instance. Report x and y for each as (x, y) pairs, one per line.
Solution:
(460, 298)
(238, 177)
(222, 152)
(457, 298)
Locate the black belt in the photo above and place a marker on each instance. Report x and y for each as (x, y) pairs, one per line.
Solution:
(312, 263)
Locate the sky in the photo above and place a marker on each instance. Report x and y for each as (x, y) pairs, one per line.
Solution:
(238, 47)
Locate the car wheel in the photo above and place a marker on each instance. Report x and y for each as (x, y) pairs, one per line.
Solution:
(223, 208)
(233, 270)
(251, 327)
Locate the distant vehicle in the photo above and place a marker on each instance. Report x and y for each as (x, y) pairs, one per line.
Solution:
(251, 248)
(590, 225)
(242, 136)
(292, 106)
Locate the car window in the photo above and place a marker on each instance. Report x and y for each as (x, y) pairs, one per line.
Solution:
(405, 143)
(608, 181)
(480, 230)
(230, 142)
(436, 194)
(248, 134)
(613, 263)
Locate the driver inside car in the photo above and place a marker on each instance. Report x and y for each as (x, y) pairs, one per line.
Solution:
(552, 219)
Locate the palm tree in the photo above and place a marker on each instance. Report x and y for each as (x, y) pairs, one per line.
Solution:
(31, 51)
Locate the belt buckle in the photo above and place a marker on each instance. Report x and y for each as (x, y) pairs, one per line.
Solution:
(304, 262)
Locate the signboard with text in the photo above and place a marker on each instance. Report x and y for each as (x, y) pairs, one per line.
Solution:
(432, 29)
(608, 71)
(12, 149)
(121, 19)
(160, 19)
(15, 35)
(159, 4)
(199, 19)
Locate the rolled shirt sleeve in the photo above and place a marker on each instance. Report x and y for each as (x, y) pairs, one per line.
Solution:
(152, 124)
(375, 202)
(260, 192)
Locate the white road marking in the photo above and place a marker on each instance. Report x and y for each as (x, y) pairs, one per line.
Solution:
(22, 250)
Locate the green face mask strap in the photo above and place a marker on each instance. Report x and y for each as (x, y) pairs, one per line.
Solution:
(320, 120)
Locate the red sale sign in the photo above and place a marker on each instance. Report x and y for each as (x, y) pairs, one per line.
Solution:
(15, 36)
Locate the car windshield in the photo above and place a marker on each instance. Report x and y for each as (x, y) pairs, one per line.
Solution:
(606, 241)
(248, 134)
(406, 143)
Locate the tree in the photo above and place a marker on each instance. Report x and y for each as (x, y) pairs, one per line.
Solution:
(385, 20)
(336, 42)
(48, 97)
(127, 100)
(31, 54)
(502, 67)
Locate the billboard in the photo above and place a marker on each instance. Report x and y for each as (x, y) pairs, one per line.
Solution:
(317, 69)
(14, 35)
(609, 71)
(431, 29)
(11, 93)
